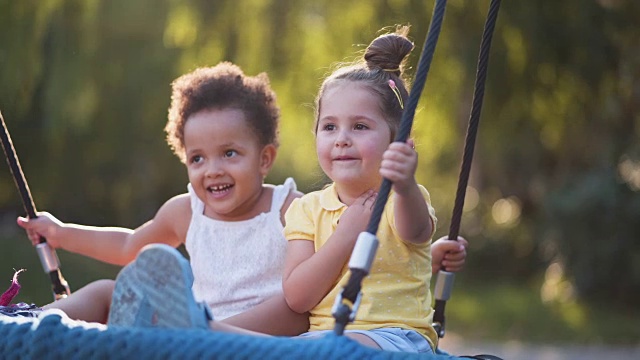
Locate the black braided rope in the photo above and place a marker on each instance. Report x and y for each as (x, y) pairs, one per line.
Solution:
(407, 116)
(472, 130)
(352, 289)
(16, 171)
(474, 118)
(58, 283)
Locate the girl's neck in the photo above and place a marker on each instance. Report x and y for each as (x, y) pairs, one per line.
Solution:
(348, 194)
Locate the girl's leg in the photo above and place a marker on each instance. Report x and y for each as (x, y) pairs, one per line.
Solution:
(364, 340)
(90, 303)
(392, 339)
(273, 317)
(358, 337)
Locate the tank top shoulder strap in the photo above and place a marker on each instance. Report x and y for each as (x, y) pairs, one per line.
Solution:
(280, 194)
(197, 206)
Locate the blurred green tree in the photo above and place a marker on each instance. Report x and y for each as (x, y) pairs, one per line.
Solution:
(85, 89)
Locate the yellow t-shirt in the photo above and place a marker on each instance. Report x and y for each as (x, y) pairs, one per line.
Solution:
(396, 292)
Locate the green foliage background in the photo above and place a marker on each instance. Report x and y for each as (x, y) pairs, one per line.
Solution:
(554, 198)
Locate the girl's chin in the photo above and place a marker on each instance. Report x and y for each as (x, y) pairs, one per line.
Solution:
(222, 214)
(358, 183)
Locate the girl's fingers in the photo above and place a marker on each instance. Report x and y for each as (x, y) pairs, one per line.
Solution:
(34, 237)
(22, 222)
(450, 257)
(395, 170)
(453, 265)
(363, 198)
(366, 198)
(405, 147)
(398, 166)
(463, 241)
(457, 255)
(370, 201)
(459, 261)
(399, 154)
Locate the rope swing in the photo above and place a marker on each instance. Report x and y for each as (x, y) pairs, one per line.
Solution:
(444, 280)
(348, 300)
(346, 304)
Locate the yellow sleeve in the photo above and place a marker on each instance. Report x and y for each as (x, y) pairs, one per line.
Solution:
(432, 211)
(299, 222)
(391, 217)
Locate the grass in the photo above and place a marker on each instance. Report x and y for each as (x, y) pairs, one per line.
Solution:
(515, 312)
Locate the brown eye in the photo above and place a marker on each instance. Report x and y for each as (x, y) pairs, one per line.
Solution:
(230, 153)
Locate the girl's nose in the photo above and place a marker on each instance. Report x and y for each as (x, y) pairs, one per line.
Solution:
(342, 139)
(214, 168)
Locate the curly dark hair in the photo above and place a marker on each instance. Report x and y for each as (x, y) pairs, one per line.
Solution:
(383, 60)
(223, 86)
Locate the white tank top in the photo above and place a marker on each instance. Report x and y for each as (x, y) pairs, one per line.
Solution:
(237, 264)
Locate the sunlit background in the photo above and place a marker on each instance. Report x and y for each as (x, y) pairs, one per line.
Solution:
(552, 211)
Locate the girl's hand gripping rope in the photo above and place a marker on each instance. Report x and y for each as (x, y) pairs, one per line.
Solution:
(45, 225)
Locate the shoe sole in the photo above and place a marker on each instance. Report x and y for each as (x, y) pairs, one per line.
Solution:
(155, 291)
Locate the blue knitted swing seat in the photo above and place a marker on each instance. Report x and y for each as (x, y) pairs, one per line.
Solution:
(54, 336)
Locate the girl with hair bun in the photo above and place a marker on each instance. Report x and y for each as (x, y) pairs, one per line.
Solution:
(358, 112)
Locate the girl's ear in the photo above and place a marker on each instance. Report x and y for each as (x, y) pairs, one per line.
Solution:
(267, 158)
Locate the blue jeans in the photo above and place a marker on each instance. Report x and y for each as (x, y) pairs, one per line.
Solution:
(389, 339)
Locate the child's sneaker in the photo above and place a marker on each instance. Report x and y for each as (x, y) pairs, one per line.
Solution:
(155, 291)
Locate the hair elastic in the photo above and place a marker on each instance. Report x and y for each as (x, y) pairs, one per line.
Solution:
(396, 91)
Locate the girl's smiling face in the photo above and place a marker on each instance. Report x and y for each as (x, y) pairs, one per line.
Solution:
(351, 136)
(226, 163)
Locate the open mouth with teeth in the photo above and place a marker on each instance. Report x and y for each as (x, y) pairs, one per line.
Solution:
(219, 188)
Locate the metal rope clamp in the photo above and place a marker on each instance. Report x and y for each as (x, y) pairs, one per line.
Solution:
(361, 259)
(341, 301)
(48, 257)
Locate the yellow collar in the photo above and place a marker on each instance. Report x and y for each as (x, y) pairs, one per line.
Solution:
(329, 198)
